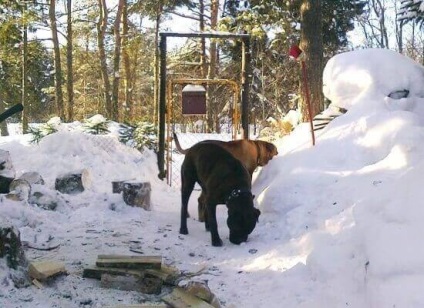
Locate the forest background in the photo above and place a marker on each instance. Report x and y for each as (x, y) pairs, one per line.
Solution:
(75, 59)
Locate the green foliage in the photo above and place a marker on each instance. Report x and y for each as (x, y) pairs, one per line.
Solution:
(274, 26)
(411, 10)
(41, 131)
(96, 125)
(284, 17)
(338, 16)
(153, 7)
(141, 136)
(38, 66)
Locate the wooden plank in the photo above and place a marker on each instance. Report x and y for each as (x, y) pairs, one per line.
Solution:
(178, 298)
(96, 272)
(144, 305)
(123, 257)
(167, 274)
(41, 270)
(132, 283)
(132, 262)
(36, 283)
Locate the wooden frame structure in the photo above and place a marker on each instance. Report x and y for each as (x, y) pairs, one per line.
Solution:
(170, 109)
(245, 81)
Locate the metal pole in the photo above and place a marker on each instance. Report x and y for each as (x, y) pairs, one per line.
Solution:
(162, 108)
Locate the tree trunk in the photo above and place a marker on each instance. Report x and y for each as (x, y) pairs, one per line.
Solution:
(57, 62)
(3, 125)
(24, 75)
(101, 32)
(312, 46)
(117, 61)
(69, 64)
(156, 67)
(203, 64)
(212, 67)
(128, 80)
(399, 30)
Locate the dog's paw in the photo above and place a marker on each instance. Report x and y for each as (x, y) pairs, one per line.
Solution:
(183, 231)
(217, 243)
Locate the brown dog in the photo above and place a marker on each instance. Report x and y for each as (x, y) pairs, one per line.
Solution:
(224, 180)
(251, 153)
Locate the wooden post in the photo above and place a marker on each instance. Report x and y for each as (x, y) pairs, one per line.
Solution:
(162, 108)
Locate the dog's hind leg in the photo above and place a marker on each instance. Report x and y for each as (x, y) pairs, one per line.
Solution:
(201, 209)
(186, 190)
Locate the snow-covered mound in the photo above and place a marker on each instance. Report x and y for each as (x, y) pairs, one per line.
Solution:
(351, 77)
(351, 204)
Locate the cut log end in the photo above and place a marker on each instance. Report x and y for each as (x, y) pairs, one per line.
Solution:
(73, 183)
(137, 194)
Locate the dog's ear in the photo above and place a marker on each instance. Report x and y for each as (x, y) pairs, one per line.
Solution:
(257, 213)
(271, 149)
(253, 197)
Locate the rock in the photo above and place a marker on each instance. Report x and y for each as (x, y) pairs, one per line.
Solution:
(73, 183)
(10, 245)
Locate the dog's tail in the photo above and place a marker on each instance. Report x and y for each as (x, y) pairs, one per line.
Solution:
(178, 146)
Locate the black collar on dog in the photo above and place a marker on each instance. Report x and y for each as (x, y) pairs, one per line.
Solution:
(237, 192)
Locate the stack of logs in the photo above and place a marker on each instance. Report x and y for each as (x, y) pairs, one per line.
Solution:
(134, 193)
(147, 274)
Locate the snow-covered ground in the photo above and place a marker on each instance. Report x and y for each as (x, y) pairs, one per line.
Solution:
(340, 223)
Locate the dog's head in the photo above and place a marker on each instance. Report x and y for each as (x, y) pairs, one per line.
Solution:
(242, 217)
(267, 151)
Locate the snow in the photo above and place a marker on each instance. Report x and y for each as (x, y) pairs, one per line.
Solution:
(340, 223)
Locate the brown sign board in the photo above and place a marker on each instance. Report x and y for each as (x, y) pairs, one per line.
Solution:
(193, 100)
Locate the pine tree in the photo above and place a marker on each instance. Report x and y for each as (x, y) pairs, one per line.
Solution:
(141, 136)
(96, 125)
(412, 10)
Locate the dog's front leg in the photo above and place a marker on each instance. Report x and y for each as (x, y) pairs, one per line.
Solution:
(213, 225)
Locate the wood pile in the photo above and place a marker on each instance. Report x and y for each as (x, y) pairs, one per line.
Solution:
(147, 274)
